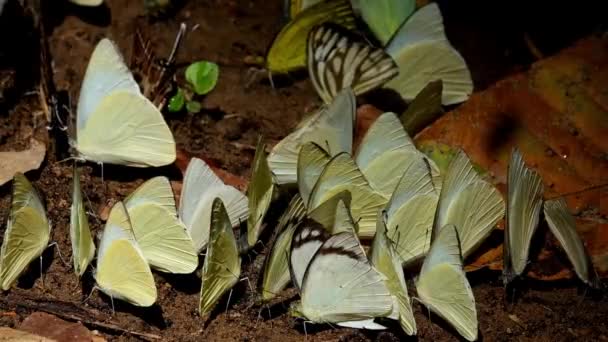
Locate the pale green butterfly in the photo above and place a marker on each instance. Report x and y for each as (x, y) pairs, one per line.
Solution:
(469, 202)
(423, 54)
(222, 266)
(330, 127)
(122, 270)
(386, 260)
(525, 199)
(384, 17)
(27, 232)
(443, 287)
(162, 237)
(83, 247)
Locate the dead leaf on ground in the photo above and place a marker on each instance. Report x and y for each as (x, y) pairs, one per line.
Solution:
(21, 161)
(556, 115)
(55, 328)
(14, 335)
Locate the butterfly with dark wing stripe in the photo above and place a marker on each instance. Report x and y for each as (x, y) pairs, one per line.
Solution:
(306, 241)
(336, 61)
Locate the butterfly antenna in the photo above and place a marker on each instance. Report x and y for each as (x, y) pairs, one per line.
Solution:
(176, 43)
(228, 302)
(41, 275)
(271, 80)
(305, 332)
(112, 301)
(248, 283)
(90, 294)
(55, 244)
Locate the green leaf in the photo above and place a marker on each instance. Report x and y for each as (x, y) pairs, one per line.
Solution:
(193, 106)
(176, 103)
(203, 76)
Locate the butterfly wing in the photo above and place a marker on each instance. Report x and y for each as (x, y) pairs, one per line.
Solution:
(563, 225)
(106, 73)
(88, 3)
(307, 239)
(83, 248)
(336, 61)
(259, 194)
(331, 128)
(341, 174)
(156, 191)
(222, 266)
(421, 50)
(525, 189)
(122, 271)
(443, 287)
(288, 50)
(384, 153)
(387, 262)
(340, 285)
(201, 186)
(470, 203)
(411, 211)
(276, 269)
(127, 129)
(325, 213)
(27, 232)
(311, 162)
(384, 17)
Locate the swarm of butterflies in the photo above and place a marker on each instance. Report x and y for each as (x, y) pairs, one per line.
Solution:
(362, 212)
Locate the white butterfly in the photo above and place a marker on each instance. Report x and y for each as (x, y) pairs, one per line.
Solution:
(469, 202)
(115, 123)
(331, 128)
(443, 286)
(87, 3)
(201, 186)
(336, 61)
(122, 270)
(340, 286)
(525, 190)
(307, 239)
(162, 237)
(424, 54)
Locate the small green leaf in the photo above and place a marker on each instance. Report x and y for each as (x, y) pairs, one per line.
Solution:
(203, 76)
(176, 103)
(193, 107)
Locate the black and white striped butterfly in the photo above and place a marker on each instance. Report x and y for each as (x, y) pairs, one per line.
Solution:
(336, 61)
(336, 281)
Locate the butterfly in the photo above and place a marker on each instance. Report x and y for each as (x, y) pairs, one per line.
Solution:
(115, 123)
(201, 186)
(340, 174)
(122, 270)
(312, 159)
(335, 215)
(525, 200)
(259, 194)
(388, 262)
(293, 7)
(331, 128)
(337, 61)
(468, 202)
(563, 225)
(87, 3)
(160, 234)
(442, 285)
(288, 50)
(423, 54)
(83, 247)
(411, 210)
(384, 17)
(276, 274)
(222, 266)
(339, 284)
(27, 232)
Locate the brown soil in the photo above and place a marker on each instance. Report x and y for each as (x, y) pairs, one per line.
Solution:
(226, 130)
